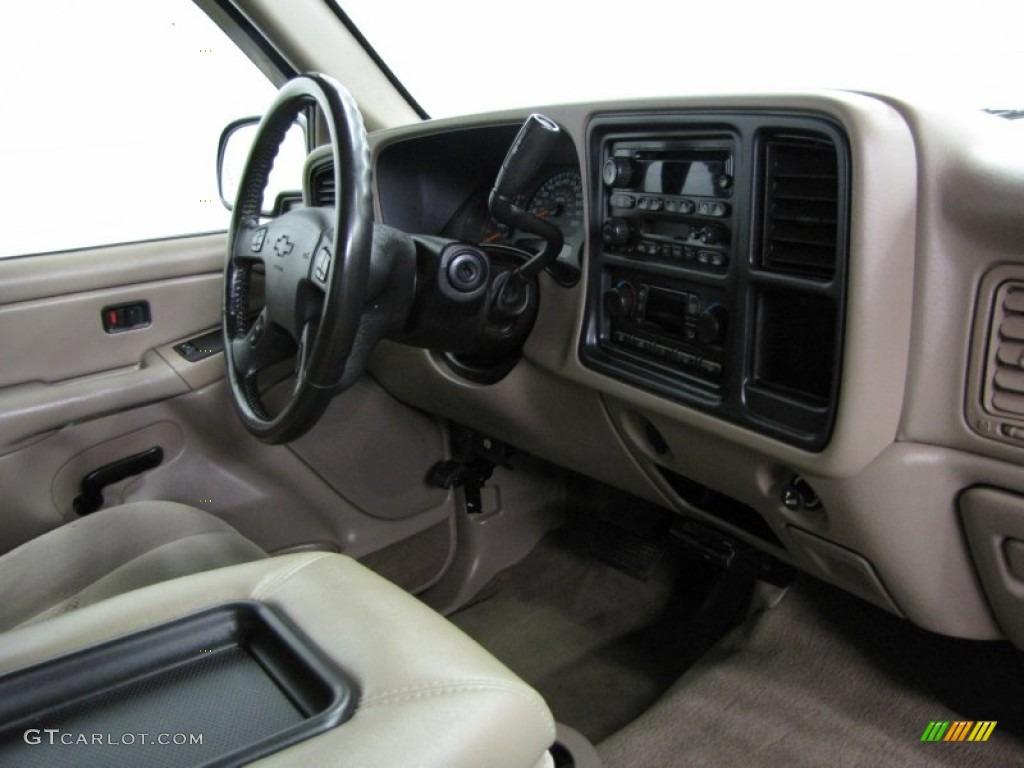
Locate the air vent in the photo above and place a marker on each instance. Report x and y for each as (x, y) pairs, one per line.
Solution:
(801, 213)
(321, 185)
(1005, 374)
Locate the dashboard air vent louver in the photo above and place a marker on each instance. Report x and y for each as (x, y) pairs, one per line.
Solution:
(322, 185)
(801, 206)
(1005, 375)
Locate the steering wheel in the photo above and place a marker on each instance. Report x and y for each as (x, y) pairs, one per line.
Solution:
(316, 266)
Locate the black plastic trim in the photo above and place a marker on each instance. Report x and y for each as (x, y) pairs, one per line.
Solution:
(376, 57)
(243, 33)
(91, 498)
(740, 394)
(721, 507)
(160, 668)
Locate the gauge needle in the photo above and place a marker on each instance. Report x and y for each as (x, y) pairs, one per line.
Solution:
(547, 213)
(492, 237)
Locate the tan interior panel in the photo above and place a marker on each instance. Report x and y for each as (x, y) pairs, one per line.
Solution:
(67, 482)
(994, 522)
(31, 410)
(845, 568)
(266, 492)
(378, 453)
(56, 339)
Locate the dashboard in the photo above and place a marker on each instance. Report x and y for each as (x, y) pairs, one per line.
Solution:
(773, 314)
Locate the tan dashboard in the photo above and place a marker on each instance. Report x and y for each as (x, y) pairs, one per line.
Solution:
(868, 497)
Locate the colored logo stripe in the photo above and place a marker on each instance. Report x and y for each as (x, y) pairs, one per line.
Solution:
(982, 731)
(958, 730)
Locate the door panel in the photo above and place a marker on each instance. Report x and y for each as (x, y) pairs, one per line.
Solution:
(61, 366)
(74, 398)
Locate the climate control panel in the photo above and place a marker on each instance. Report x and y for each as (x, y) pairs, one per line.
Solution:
(679, 326)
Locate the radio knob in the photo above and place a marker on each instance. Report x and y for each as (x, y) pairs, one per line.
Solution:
(620, 300)
(711, 325)
(619, 172)
(616, 231)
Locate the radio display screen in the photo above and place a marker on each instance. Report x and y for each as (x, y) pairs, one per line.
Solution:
(694, 177)
(665, 311)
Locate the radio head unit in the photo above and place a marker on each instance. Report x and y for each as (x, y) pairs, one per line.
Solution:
(670, 201)
(717, 262)
(664, 171)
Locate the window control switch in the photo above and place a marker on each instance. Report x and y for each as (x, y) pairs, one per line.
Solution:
(201, 347)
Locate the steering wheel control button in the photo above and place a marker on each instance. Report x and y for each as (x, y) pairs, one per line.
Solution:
(283, 246)
(322, 265)
(258, 329)
(260, 235)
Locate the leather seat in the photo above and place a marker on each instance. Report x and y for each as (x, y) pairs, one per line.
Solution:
(114, 551)
(428, 695)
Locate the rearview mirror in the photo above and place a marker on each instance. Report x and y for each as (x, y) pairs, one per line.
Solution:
(284, 187)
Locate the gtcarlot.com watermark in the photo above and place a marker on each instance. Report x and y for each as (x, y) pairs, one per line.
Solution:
(55, 736)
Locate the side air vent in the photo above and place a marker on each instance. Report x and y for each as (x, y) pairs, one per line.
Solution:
(321, 185)
(801, 206)
(1005, 375)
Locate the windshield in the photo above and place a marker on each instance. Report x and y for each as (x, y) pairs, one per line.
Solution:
(462, 56)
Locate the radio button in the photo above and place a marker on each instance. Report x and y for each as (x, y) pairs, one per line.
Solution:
(715, 369)
(672, 206)
(693, 304)
(686, 358)
(686, 207)
(712, 208)
(623, 201)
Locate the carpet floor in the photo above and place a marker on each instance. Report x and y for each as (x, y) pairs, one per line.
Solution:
(587, 636)
(824, 679)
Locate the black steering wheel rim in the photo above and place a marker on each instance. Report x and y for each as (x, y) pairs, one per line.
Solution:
(323, 338)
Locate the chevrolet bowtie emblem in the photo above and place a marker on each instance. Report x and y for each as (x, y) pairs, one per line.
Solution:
(283, 246)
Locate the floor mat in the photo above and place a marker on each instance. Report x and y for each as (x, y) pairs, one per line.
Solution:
(826, 680)
(590, 638)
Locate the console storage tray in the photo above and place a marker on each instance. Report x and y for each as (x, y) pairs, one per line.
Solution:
(220, 687)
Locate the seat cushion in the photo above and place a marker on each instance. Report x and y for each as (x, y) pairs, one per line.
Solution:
(110, 552)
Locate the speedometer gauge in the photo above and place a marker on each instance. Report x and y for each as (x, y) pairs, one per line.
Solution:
(560, 200)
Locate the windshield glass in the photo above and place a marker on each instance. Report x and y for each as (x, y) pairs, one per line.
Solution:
(462, 56)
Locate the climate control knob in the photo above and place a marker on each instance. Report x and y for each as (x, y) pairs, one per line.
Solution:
(616, 232)
(619, 172)
(711, 324)
(620, 300)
